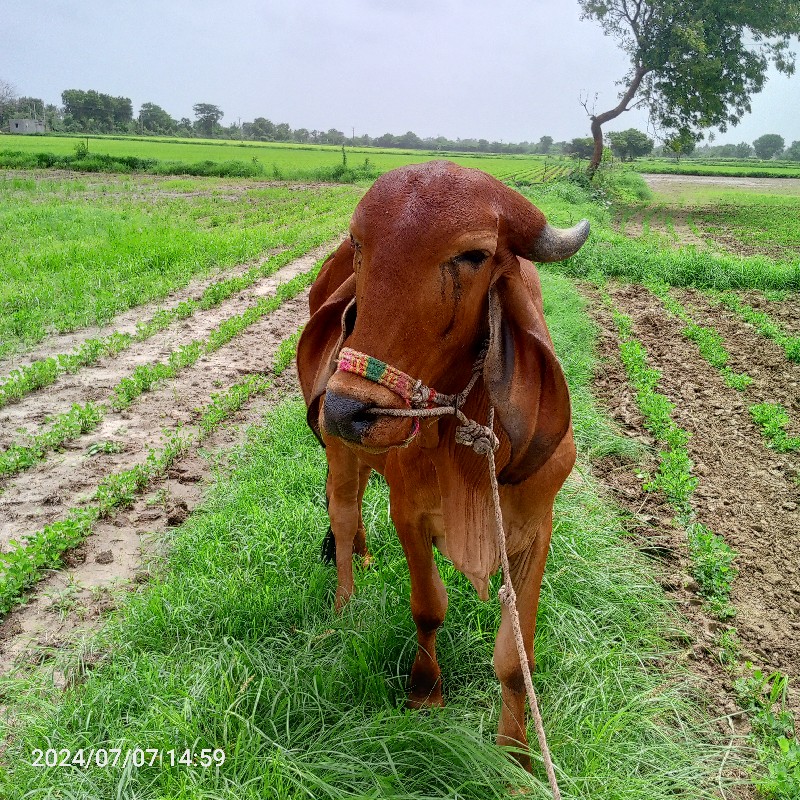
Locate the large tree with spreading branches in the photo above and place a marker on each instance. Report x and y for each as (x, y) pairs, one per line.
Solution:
(694, 63)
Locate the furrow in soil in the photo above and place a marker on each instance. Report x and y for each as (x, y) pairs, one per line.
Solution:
(747, 493)
(95, 382)
(44, 493)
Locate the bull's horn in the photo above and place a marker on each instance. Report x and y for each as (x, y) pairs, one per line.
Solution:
(556, 244)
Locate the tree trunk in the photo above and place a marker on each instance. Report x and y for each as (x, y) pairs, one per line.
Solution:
(599, 120)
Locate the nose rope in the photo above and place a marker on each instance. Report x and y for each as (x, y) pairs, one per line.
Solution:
(423, 402)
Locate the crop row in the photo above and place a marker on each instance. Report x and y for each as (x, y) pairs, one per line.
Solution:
(70, 262)
(712, 558)
(82, 419)
(771, 418)
(44, 372)
(23, 563)
(762, 322)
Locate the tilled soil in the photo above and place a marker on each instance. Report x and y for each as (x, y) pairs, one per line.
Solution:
(775, 378)
(785, 312)
(747, 494)
(116, 554)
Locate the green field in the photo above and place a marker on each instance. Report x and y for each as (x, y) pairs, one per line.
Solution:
(748, 167)
(286, 160)
(230, 642)
(75, 253)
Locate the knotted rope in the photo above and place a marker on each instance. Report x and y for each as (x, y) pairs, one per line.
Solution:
(422, 402)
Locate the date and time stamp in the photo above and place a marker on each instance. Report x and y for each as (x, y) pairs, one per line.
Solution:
(111, 757)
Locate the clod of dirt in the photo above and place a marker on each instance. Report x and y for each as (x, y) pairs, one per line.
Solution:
(177, 514)
(75, 556)
(104, 557)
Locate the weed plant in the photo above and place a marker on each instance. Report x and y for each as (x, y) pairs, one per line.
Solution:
(237, 647)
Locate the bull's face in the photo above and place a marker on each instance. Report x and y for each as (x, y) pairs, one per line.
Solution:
(433, 249)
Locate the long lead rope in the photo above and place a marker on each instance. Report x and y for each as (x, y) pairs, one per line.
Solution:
(423, 402)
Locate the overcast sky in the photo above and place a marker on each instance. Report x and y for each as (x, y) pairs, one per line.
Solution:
(508, 70)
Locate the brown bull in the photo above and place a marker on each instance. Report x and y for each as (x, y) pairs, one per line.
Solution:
(435, 268)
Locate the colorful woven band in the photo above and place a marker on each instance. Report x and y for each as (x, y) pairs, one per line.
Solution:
(381, 373)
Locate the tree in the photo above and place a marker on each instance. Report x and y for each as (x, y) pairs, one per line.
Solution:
(792, 152)
(579, 148)
(694, 63)
(95, 111)
(630, 144)
(208, 116)
(544, 145)
(154, 119)
(8, 96)
(768, 145)
(680, 144)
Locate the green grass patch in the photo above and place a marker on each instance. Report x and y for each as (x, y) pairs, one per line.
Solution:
(76, 255)
(277, 159)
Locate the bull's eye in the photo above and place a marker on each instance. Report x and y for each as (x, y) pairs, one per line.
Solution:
(472, 258)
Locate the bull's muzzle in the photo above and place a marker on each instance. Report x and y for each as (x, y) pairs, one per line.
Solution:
(346, 417)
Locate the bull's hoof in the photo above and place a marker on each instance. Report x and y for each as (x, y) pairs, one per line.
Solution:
(367, 560)
(431, 699)
(518, 751)
(342, 598)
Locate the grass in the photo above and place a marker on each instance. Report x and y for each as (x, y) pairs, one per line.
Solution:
(76, 255)
(235, 646)
(82, 419)
(45, 371)
(645, 259)
(283, 161)
(748, 167)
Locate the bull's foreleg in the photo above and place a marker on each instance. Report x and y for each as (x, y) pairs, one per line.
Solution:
(347, 480)
(428, 599)
(527, 568)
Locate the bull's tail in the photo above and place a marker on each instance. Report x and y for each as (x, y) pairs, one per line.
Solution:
(328, 553)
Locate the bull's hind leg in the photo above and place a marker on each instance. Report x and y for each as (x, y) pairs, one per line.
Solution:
(526, 576)
(347, 480)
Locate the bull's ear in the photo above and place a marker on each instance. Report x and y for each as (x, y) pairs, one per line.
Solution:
(320, 343)
(338, 267)
(523, 378)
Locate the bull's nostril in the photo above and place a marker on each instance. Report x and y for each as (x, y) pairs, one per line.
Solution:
(346, 417)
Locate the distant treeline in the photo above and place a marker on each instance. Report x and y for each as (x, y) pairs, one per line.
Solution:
(89, 111)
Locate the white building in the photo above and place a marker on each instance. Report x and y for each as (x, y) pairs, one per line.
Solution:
(25, 126)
